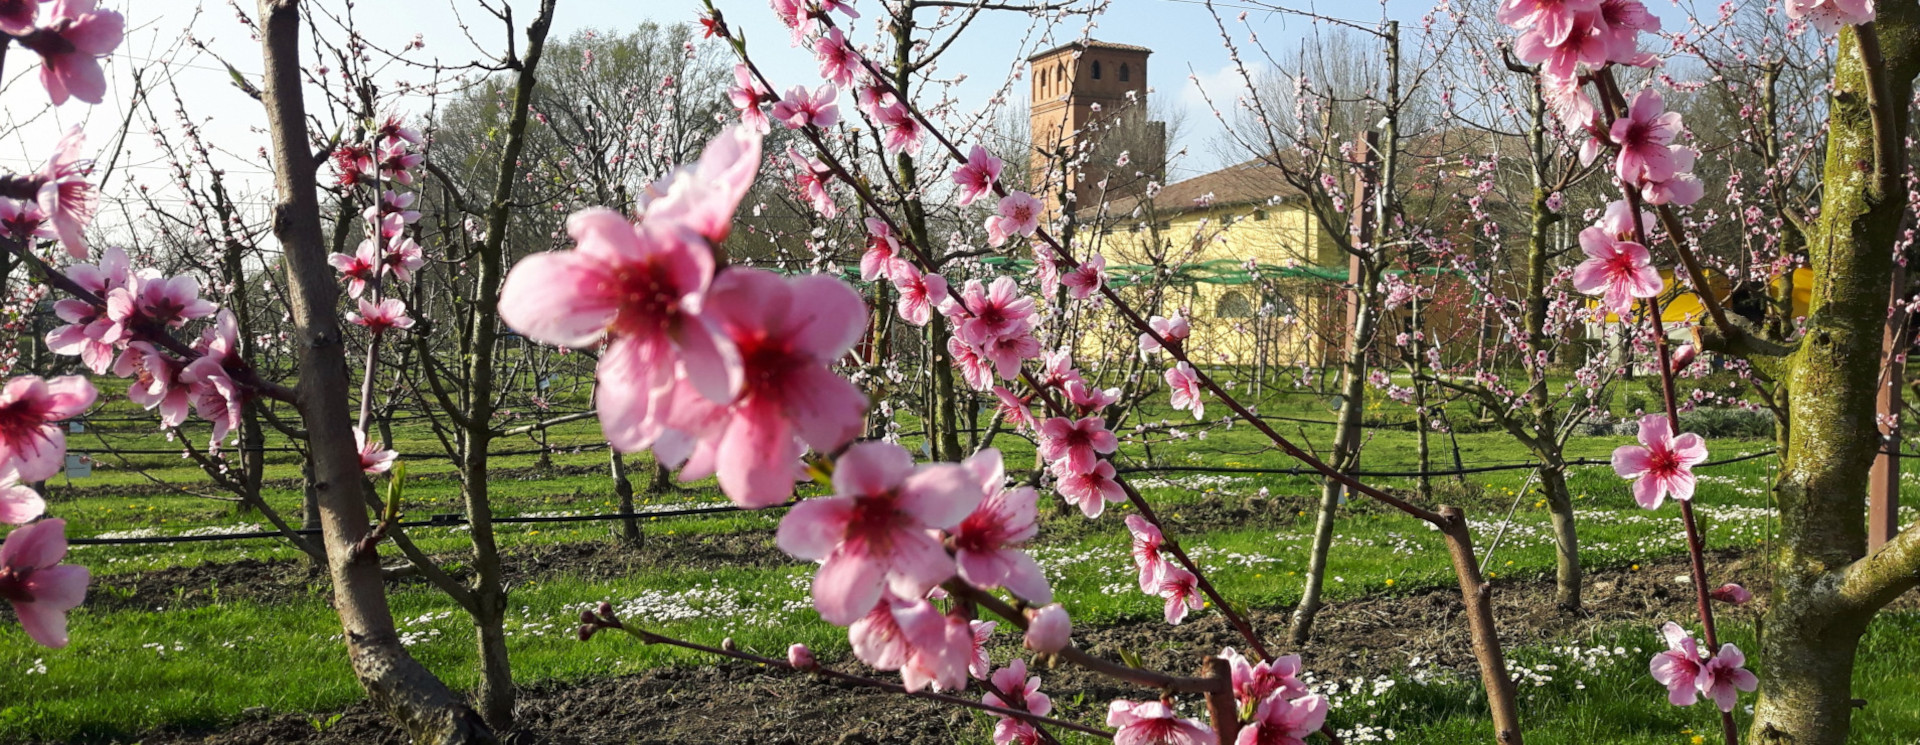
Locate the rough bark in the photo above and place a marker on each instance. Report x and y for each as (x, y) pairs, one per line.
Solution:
(1826, 589)
(395, 682)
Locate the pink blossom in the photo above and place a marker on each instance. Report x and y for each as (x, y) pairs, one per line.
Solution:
(70, 49)
(373, 458)
(360, 268)
(1088, 399)
(24, 221)
(1048, 629)
(1679, 667)
(903, 132)
(1023, 692)
(1280, 720)
(19, 503)
(975, 368)
(1661, 464)
(788, 333)
(838, 60)
(1076, 442)
(643, 287)
(355, 164)
(1181, 589)
(994, 311)
(1008, 352)
(1185, 387)
(1091, 489)
(1732, 594)
(977, 177)
(919, 293)
(32, 442)
(1617, 270)
(986, 543)
(1624, 21)
(873, 533)
(1154, 723)
(746, 94)
(397, 162)
(912, 636)
(800, 109)
(811, 180)
(1015, 409)
(389, 313)
(65, 195)
(1830, 15)
(1256, 682)
(1554, 19)
(1018, 214)
(168, 301)
(1087, 278)
(1722, 677)
(1568, 101)
(217, 397)
(156, 381)
(39, 587)
(1683, 188)
(402, 257)
(1146, 552)
(394, 128)
(393, 204)
(883, 255)
(704, 196)
(1171, 329)
(1582, 44)
(1643, 136)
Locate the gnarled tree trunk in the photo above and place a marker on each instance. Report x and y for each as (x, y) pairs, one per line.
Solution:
(1826, 588)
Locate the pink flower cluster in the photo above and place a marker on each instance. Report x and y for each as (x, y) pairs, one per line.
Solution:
(1687, 676)
(1572, 38)
(63, 201)
(726, 372)
(387, 250)
(883, 542)
(1618, 268)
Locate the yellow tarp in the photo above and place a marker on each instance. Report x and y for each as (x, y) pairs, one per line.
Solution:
(1686, 307)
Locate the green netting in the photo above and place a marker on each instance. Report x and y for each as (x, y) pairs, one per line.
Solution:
(1212, 272)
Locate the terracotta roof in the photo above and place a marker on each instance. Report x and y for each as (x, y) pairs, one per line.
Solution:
(1091, 44)
(1250, 182)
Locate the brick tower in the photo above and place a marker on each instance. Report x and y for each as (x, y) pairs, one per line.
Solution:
(1081, 99)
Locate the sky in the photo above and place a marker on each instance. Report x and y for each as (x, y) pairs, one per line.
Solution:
(1187, 48)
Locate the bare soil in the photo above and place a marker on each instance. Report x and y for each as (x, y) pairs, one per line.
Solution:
(738, 703)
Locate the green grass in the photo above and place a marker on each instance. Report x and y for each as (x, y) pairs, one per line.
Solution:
(130, 672)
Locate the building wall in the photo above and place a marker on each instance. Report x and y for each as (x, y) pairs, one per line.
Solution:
(1064, 93)
(1228, 325)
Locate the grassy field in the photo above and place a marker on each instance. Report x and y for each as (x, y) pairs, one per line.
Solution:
(132, 670)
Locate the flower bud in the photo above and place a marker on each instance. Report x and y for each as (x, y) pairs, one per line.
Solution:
(587, 618)
(801, 658)
(1731, 593)
(1049, 631)
(605, 610)
(586, 630)
(1683, 357)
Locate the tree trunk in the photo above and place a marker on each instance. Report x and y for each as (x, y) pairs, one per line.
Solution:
(1824, 595)
(623, 487)
(1567, 583)
(396, 683)
(1346, 451)
(495, 693)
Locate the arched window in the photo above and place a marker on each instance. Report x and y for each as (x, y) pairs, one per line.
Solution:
(1060, 75)
(1126, 73)
(1233, 305)
(1096, 69)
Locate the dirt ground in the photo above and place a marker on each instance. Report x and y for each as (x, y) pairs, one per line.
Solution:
(729, 703)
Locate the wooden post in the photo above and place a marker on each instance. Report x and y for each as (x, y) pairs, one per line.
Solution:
(1883, 501)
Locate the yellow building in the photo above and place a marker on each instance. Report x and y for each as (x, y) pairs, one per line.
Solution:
(1249, 264)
